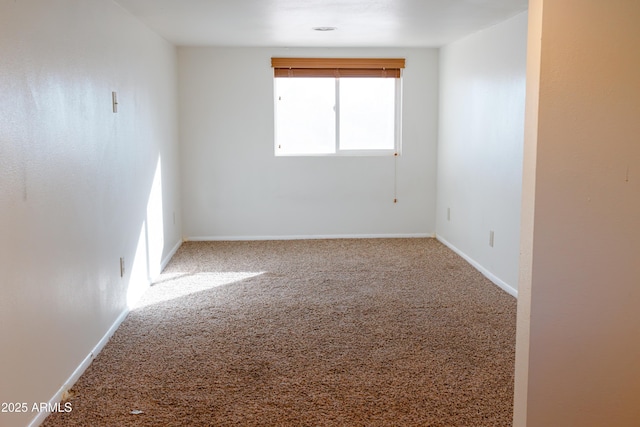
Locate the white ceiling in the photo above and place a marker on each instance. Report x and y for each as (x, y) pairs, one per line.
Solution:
(289, 23)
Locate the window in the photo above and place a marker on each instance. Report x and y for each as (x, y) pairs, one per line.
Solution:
(328, 106)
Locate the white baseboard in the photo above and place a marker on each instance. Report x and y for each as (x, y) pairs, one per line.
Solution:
(170, 255)
(41, 416)
(489, 275)
(39, 419)
(307, 237)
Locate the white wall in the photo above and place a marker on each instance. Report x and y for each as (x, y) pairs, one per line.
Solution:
(528, 207)
(234, 186)
(80, 186)
(482, 92)
(578, 359)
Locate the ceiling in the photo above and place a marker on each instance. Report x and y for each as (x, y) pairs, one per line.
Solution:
(290, 23)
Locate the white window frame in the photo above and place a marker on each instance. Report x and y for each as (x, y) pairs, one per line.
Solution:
(395, 151)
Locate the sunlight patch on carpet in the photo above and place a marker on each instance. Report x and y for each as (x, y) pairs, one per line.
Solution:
(176, 285)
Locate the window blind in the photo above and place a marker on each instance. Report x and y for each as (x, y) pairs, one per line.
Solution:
(337, 67)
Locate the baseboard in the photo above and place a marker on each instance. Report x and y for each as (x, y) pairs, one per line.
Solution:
(170, 255)
(41, 416)
(39, 419)
(308, 237)
(489, 275)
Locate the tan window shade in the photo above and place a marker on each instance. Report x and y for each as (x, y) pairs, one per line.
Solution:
(337, 67)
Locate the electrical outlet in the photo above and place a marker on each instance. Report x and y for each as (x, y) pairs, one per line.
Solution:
(122, 267)
(448, 214)
(491, 234)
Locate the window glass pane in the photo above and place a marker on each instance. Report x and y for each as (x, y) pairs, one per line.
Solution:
(305, 115)
(367, 113)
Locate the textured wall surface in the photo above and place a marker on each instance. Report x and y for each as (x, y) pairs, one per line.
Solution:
(234, 186)
(482, 95)
(583, 282)
(80, 186)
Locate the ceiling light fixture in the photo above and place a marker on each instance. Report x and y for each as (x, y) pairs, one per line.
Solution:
(323, 29)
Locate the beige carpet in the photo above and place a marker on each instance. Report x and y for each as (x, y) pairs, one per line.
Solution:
(375, 332)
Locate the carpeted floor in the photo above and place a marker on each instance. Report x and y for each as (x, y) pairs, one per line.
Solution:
(362, 332)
